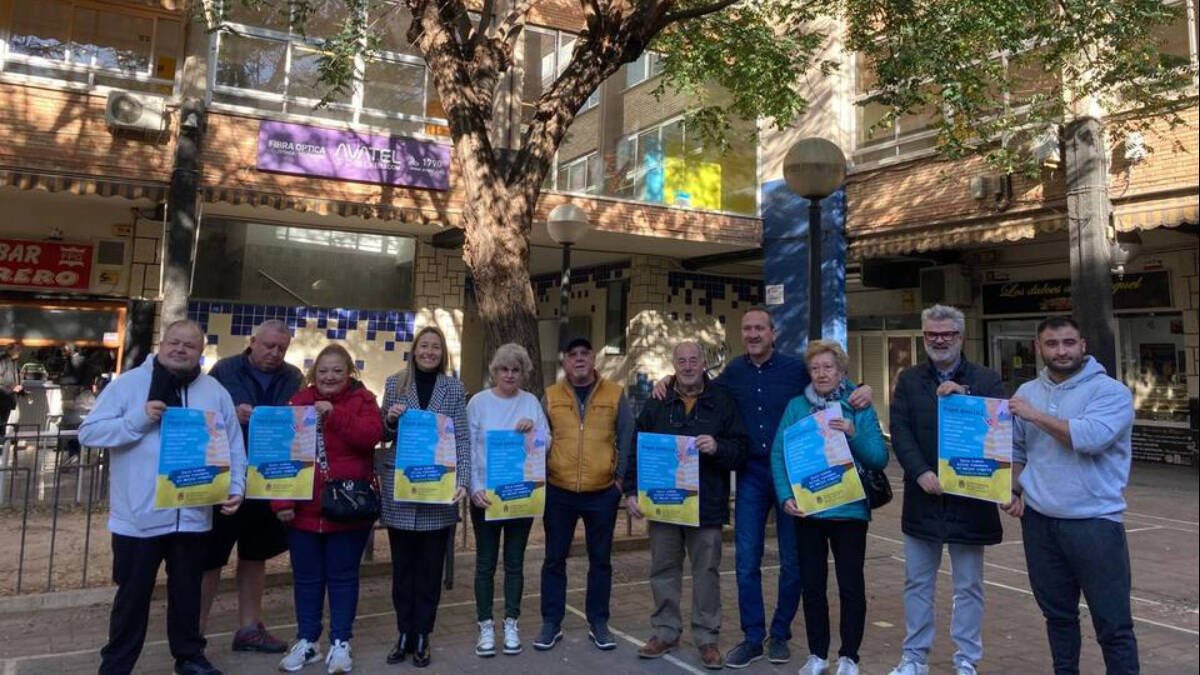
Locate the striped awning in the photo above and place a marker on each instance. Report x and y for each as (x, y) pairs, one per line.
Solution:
(329, 207)
(1148, 215)
(941, 236)
(102, 186)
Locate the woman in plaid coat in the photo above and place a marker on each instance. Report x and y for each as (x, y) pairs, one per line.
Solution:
(419, 533)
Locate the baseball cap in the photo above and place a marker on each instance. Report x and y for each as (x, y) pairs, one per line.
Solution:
(577, 341)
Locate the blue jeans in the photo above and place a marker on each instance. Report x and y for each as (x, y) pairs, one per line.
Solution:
(564, 509)
(326, 561)
(755, 500)
(1090, 555)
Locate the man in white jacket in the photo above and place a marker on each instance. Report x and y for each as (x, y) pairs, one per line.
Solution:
(126, 420)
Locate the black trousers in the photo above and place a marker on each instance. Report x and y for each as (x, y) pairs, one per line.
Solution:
(848, 539)
(418, 559)
(8, 403)
(135, 568)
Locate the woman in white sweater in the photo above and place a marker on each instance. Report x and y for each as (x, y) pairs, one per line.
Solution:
(504, 406)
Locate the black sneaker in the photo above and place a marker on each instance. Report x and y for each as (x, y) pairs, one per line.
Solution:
(778, 651)
(197, 665)
(743, 655)
(547, 637)
(602, 637)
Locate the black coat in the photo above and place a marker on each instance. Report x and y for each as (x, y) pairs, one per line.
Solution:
(714, 414)
(946, 518)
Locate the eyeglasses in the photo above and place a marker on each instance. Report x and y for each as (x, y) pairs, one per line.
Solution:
(946, 336)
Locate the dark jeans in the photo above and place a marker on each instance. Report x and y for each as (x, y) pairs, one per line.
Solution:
(753, 504)
(135, 568)
(564, 509)
(418, 559)
(8, 403)
(323, 561)
(515, 534)
(848, 539)
(1090, 555)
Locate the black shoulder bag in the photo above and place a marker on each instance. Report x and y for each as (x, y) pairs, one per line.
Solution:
(875, 485)
(345, 500)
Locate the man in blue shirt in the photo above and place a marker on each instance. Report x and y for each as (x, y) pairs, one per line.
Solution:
(762, 382)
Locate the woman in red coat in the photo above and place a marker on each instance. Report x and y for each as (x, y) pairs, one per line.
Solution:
(326, 554)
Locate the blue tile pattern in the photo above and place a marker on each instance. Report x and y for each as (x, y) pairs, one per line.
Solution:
(389, 325)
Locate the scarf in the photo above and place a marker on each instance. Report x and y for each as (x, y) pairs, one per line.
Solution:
(168, 386)
(820, 402)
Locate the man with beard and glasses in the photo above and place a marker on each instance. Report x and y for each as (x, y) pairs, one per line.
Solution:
(931, 519)
(127, 420)
(1071, 457)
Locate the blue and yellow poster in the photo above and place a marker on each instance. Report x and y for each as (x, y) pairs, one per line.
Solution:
(975, 447)
(516, 474)
(426, 458)
(193, 459)
(668, 473)
(819, 464)
(282, 452)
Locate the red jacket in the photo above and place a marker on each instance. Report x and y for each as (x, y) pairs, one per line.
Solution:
(351, 431)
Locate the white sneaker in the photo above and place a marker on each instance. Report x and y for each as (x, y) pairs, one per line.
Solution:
(815, 665)
(909, 667)
(964, 668)
(338, 660)
(486, 644)
(301, 654)
(512, 637)
(846, 666)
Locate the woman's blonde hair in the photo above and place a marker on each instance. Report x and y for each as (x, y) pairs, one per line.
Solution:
(818, 347)
(443, 366)
(337, 350)
(512, 355)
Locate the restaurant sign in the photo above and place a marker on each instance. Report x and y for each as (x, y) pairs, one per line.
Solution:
(1132, 291)
(349, 155)
(45, 264)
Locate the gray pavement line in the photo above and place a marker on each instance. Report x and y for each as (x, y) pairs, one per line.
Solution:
(638, 643)
(1169, 520)
(1082, 605)
(1148, 528)
(1172, 528)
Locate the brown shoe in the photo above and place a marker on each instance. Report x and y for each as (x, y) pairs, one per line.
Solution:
(711, 657)
(655, 648)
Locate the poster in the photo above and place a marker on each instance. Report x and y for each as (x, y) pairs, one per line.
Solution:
(516, 474)
(668, 476)
(975, 447)
(426, 458)
(282, 452)
(193, 459)
(819, 464)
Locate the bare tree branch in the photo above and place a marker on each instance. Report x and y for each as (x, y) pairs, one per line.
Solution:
(510, 27)
(685, 14)
(485, 18)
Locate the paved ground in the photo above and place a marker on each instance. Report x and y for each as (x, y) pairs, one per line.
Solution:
(1162, 526)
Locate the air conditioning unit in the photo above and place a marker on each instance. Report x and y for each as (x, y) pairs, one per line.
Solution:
(130, 110)
(946, 285)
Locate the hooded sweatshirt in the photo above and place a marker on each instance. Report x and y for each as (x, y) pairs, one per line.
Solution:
(1086, 480)
(119, 422)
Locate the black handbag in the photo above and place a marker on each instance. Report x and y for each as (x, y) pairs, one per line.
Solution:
(875, 485)
(346, 500)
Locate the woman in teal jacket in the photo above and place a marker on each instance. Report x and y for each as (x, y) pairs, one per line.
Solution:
(843, 528)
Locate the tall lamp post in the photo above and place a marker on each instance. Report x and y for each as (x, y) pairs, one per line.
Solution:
(566, 224)
(814, 168)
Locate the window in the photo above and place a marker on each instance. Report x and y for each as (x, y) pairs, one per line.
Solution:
(1178, 39)
(648, 65)
(93, 44)
(547, 53)
(580, 175)
(265, 65)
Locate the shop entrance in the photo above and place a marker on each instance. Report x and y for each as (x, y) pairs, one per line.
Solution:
(1010, 350)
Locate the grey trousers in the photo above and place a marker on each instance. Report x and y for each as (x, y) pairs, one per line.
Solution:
(921, 562)
(668, 544)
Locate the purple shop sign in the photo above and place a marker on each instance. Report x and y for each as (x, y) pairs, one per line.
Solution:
(348, 155)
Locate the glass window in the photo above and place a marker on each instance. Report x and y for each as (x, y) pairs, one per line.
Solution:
(303, 77)
(1175, 43)
(648, 65)
(395, 87)
(252, 63)
(272, 15)
(870, 128)
(41, 28)
(111, 41)
(1153, 364)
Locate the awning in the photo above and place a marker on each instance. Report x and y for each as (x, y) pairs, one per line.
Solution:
(330, 207)
(1148, 215)
(940, 236)
(83, 185)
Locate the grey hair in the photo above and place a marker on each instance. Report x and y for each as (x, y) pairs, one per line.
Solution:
(272, 325)
(699, 350)
(945, 313)
(511, 354)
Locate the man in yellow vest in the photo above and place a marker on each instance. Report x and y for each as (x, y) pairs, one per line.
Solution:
(592, 427)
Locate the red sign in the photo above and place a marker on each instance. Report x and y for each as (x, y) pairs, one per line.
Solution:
(45, 264)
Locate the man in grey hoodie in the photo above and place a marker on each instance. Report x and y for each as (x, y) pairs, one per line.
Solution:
(1071, 457)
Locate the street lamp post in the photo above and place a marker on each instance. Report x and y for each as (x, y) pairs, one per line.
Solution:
(814, 168)
(566, 224)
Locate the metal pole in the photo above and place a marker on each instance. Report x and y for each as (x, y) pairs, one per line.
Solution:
(814, 269)
(564, 321)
